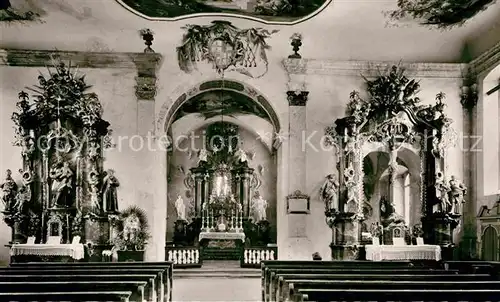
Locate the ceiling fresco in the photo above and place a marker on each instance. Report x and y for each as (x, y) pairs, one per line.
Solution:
(20, 11)
(220, 102)
(267, 11)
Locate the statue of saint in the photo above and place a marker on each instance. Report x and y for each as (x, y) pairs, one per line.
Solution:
(457, 192)
(180, 207)
(9, 189)
(62, 178)
(109, 194)
(94, 190)
(259, 207)
(388, 214)
(443, 193)
(329, 192)
(203, 156)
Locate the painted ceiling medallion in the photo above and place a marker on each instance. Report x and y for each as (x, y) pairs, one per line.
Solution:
(439, 13)
(265, 11)
(226, 47)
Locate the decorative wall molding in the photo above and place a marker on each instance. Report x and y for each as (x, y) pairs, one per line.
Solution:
(146, 63)
(371, 68)
(486, 60)
(297, 98)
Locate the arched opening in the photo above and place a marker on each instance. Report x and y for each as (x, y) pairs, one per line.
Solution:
(397, 185)
(222, 171)
(490, 244)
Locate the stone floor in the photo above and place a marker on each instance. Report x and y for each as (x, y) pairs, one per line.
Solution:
(222, 283)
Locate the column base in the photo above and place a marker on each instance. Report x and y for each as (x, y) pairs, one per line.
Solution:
(347, 252)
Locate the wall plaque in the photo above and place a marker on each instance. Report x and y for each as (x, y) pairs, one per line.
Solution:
(298, 203)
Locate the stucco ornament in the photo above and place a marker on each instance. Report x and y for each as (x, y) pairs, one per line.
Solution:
(225, 46)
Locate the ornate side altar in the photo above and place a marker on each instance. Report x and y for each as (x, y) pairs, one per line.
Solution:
(64, 190)
(391, 174)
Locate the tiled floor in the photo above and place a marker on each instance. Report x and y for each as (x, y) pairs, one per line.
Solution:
(217, 289)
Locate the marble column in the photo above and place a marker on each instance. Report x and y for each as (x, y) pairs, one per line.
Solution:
(244, 178)
(469, 99)
(299, 244)
(147, 65)
(199, 188)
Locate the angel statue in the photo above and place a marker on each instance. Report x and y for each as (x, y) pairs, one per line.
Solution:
(109, 194)
(259, 207)
(241, 155)
(9, 189)
(329, 192)
(457, 192)
(180, 207)
(62, 179)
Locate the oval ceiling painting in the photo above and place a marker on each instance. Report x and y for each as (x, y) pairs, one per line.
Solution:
(265, 11)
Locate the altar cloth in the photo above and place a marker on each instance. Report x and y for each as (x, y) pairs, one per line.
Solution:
(222, 236)
(404, 252)
(75, 251)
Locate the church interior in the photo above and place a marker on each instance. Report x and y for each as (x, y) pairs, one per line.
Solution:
(322, 150)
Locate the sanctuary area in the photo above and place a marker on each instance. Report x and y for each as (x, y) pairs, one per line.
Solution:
(169, 138)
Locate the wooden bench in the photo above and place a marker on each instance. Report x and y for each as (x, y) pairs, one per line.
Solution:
(272, 280)
(323, 295)
(90, 271)
(135, 287)
(295, 286)
(270, 265)
(122, 296)
(277, 293)
(149, 280)
(166, 288)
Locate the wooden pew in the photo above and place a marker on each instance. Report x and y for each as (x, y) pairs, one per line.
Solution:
(149, 280)
(122, 296)
(135, 287)
(270, 265)
(295, 286)
(167, 276)
(271, 282)
(278, 292)
(87, 271)
(323, 295)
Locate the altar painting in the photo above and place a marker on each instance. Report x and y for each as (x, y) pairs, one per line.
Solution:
(264, 10)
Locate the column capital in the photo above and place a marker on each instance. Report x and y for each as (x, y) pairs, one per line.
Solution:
(297, 98)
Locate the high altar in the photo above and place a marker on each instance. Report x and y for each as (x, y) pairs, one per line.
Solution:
(228, 211)
(392, 187)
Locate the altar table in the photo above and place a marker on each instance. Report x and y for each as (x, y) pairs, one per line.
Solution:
(222, 236)
(74, 251)
(403, 252)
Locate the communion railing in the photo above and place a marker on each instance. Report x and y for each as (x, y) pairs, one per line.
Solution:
(184, 256)
(252, 256)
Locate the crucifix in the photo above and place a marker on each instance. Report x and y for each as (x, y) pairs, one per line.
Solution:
(494, 89)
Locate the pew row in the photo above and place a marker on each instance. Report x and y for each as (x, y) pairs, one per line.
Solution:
(166, 288)
(148, 280)
(69, 272)
(109, 296)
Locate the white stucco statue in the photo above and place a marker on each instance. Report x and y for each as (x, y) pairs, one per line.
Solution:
(180, 207)
(259, 207)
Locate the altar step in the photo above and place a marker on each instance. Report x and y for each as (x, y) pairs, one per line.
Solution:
(221, 254)
(217, 269)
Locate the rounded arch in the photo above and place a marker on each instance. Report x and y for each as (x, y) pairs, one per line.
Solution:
(166, 119)
(267, 141)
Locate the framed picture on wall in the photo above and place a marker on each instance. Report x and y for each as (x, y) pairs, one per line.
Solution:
(298, 203)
